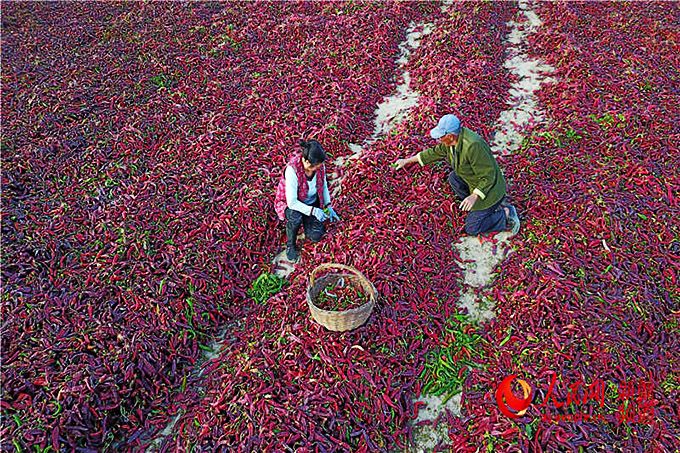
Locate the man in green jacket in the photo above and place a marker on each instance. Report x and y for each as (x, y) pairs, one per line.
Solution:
(476, 178)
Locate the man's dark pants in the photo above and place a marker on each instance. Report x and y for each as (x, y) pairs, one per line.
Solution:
(314, 229)
(478, 222)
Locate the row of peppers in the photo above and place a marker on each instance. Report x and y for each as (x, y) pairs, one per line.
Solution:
(590, 294)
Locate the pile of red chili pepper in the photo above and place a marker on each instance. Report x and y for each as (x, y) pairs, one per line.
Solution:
(141, 146)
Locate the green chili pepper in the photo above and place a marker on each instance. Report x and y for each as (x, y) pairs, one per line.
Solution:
(265, 286)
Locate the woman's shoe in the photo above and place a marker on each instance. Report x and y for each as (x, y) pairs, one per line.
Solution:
(292, 254)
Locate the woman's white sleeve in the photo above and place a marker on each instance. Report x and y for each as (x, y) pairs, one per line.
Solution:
(326, 194)
(291, 193)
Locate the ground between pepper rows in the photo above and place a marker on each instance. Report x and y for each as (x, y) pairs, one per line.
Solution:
(141, 145)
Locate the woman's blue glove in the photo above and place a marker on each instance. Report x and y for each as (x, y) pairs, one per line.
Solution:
(332, 215)
(319, 214)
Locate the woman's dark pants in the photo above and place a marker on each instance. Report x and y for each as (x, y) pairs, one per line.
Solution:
(478, 222)
(314, 230)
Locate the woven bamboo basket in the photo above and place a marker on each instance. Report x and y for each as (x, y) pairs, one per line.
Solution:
(339, 321)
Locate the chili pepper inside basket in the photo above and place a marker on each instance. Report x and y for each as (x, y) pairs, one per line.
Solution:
(340, 296)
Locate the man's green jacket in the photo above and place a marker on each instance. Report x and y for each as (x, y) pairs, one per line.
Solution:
(472, 160)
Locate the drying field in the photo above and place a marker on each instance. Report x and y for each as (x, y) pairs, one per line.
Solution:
(141, 147)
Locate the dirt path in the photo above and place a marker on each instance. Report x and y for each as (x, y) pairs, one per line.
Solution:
(395, 108)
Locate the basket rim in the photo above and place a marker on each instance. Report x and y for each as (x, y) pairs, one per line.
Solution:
(356, 275)
(326, 266)
(341, 320)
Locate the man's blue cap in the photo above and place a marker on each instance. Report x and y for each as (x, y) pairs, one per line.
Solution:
(449, 124)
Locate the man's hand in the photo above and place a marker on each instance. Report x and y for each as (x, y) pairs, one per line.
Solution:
(399, 164)
(469, 202)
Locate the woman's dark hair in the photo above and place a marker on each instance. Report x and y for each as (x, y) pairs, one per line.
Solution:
(313, 151)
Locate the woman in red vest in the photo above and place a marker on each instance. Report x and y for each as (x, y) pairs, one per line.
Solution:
(302, 196)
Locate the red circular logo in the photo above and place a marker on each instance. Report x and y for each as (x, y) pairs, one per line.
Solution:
(508, 402)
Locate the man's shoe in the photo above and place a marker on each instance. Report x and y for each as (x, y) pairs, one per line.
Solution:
(292, 254)
(513, 220)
